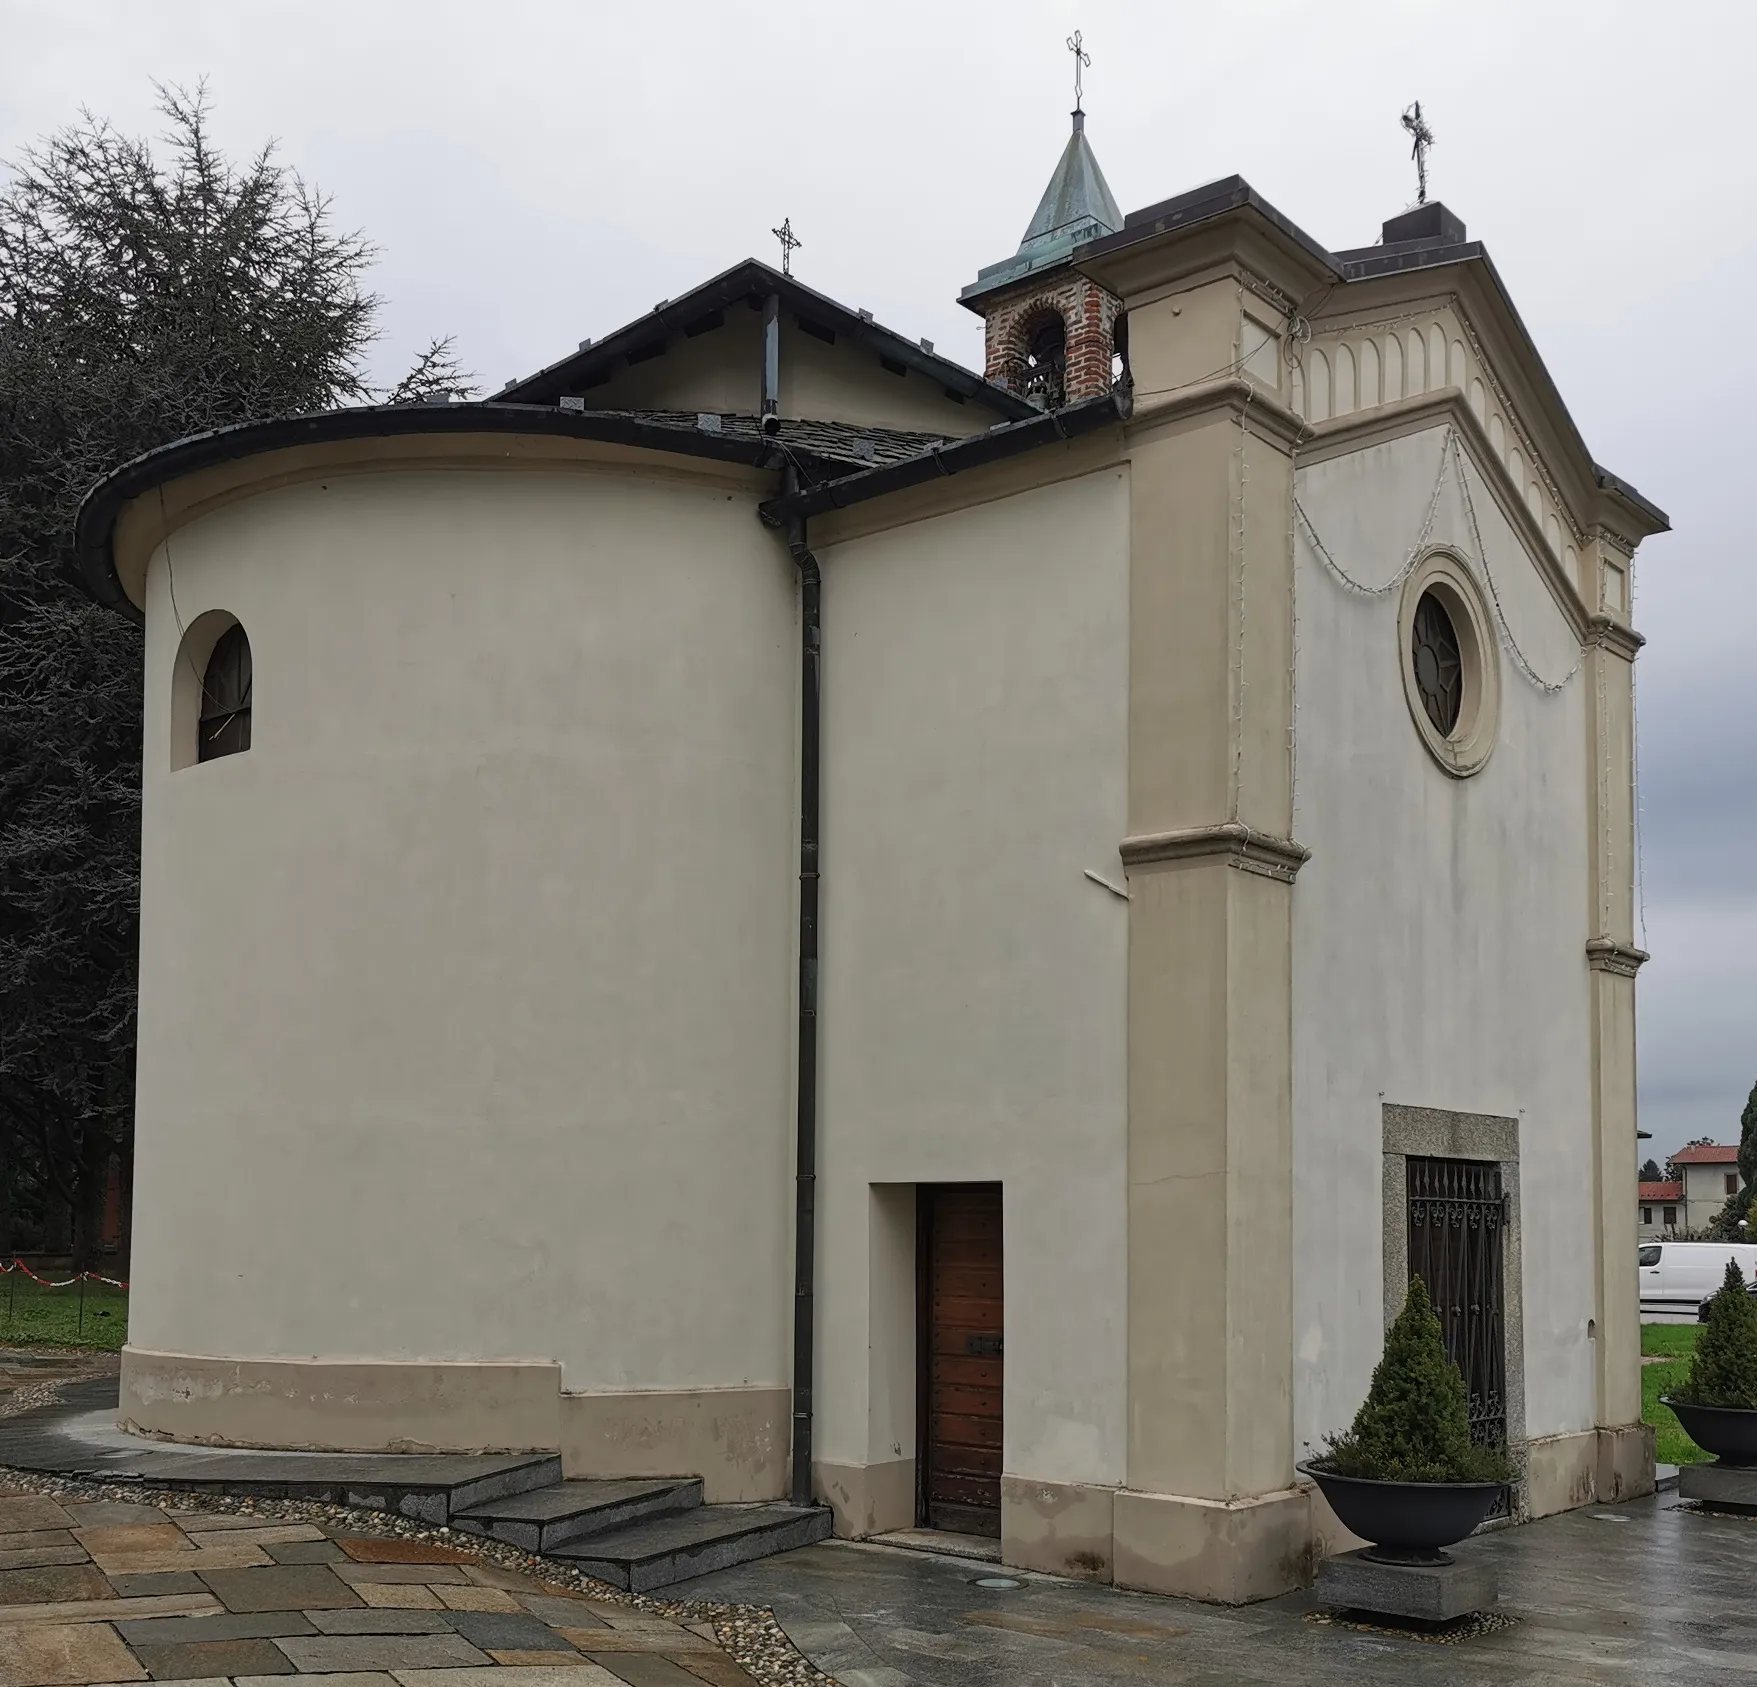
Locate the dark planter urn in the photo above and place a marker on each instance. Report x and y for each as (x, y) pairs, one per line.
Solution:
(1407, 1522)
(1729, 1432)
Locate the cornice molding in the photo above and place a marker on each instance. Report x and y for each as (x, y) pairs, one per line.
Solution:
(1620, 960)
(1584, 495)
(1609, 634)
(1232, 843)
(1244, 398)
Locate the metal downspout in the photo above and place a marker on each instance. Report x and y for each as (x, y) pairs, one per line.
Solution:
(805, 1168)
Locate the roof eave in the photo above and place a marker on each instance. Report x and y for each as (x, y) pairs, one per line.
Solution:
(94, 527)
(1044, 428)
(729, 286)
(1230, 196)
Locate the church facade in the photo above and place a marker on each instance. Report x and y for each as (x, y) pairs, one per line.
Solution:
(940, 943)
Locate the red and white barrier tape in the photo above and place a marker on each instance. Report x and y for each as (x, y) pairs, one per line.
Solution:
(88, 1276)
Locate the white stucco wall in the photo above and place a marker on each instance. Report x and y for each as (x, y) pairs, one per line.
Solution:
(1439, 935)
(466, 992)
(974, 981)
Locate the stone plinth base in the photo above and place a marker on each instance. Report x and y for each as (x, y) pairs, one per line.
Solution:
(1229, 1551)
(1429, 1593)
(1722, 1487)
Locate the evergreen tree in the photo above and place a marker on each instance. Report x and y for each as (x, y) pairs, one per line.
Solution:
(1414, 1425)
(1723, 1369)
(143, 297)
(1650, 1172)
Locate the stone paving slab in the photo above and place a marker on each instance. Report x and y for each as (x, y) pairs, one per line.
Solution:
(39, 1557)
(507, 1630)
(588, 1675)
(368, 1678)
(607, 1640)
(399, 1596)
(51, 1654)
(355, 1575)
(112, 1592)
(305, 1552)
(202, 1659)
(336, 1652)
(107, 1610)
(281, 1587)
(267, 1625)
(536, 1659)
(372, 1621)
(469, 1596)
(148, 1585)
(650, 1670)
(342, 1678)
(61, 1582)
(370, 1549)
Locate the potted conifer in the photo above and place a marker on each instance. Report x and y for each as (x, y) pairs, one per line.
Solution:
(1406, 1476)
(1718, 1403)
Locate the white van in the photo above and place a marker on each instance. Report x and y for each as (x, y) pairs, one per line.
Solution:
(1676, 1277)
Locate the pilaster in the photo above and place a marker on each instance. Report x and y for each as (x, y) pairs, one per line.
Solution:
(1613, 959)
(1211, 1508)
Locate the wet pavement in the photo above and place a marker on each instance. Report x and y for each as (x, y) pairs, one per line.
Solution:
(1648, 1592)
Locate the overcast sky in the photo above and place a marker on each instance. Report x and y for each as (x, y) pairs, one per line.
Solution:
(537, 171)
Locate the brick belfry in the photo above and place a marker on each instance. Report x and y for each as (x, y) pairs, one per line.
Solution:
(1052, 335)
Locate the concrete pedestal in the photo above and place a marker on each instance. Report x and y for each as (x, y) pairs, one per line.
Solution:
(1429, 1593)
(1722, 1487)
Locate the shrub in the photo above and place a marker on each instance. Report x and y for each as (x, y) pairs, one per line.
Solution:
(1414, 1425)
(1723, 1369)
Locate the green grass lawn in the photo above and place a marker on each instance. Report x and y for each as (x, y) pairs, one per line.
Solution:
(31, 1316)
(1675, 1342)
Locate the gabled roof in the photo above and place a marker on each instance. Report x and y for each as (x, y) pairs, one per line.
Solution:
(1706, 1154)
(1429, 237)
(1662, 1191)
(694, 312)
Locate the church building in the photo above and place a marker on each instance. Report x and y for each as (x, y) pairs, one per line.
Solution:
(940, 944)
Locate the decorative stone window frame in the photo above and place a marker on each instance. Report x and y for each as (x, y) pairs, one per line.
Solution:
(1433, 1132)
(1467, 747)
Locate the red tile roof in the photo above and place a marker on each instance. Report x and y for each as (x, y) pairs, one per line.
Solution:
(1662, 1191)
(1706, 1154)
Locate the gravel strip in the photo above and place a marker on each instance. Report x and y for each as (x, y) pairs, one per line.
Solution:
(749, 1633)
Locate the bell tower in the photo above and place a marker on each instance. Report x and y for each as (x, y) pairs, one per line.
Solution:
(1052, 335)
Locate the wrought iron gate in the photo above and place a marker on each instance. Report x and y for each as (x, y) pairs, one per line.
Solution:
(1457, 1236)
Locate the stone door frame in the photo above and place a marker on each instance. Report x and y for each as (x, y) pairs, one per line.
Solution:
(1437, 1133)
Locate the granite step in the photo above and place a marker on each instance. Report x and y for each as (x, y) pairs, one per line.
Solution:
(78, 1436)
(663, 1550)
(546, 1518)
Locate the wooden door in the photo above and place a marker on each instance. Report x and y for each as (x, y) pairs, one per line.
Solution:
(961, 1360)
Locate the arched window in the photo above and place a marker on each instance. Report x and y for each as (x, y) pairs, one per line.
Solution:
(223, 728)
(1046, 359)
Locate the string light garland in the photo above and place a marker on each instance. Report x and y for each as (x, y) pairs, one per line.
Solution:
(1452, 462)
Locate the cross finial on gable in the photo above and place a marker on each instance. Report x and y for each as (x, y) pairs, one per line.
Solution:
(790, 243)
(1423, 137)
(1081, 59)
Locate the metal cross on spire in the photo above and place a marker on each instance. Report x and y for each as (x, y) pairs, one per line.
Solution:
(1423, 137)
(1081, 58)
(790, 243)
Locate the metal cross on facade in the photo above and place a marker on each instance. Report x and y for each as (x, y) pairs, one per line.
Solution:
(1423, 137)
(790, 242)
(1081, 58)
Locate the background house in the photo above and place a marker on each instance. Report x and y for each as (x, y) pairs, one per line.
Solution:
(1661, 1210)
(1709, 1174)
